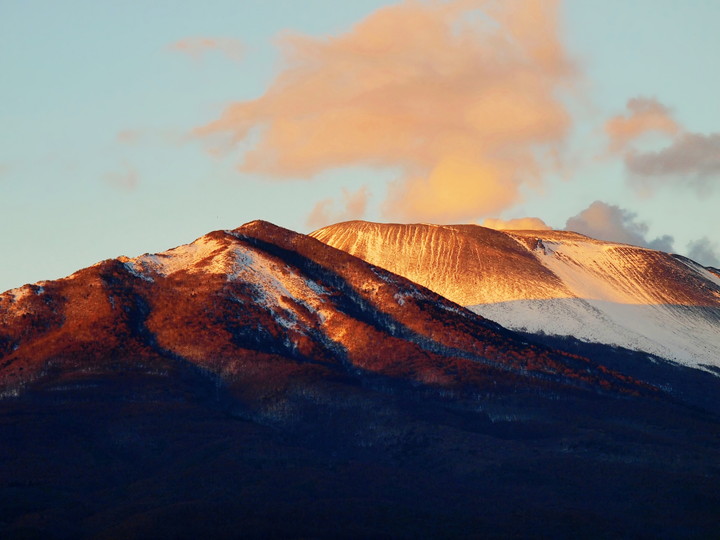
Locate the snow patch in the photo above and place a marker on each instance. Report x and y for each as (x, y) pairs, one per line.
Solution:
(686, 334)
(134, 270)
(704, 272)
(20, 293)
(277, 287)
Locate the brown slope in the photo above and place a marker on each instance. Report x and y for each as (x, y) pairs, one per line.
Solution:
(466, 263)
(261, 306)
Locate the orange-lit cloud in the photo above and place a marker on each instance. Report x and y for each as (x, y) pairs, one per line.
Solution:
(645, 115)
(461, 96)
(198, 47)
(517, 224)
(614, 224)
(128, 136)
(353, 207)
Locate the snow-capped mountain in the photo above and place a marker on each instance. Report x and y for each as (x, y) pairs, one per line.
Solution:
(260, 382)
(237, 303)
(554, 282)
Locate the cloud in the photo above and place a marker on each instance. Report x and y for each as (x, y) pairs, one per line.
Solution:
(704, 251)
(354, 206)
(198, 47)
(128, 136)
(517, 224)
(459, 96)
(614, 224)
(144, 136)
(125, 179)
(645, 115)
(692, 159)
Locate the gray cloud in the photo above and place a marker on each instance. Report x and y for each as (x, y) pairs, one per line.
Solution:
(692, 159)
(704, 251)
(614, 224)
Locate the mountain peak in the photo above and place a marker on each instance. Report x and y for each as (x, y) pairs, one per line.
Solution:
(257, 225)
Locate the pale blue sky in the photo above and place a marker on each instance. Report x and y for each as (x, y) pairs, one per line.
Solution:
(76, 74)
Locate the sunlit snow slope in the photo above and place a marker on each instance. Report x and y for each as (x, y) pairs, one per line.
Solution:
(556, 282)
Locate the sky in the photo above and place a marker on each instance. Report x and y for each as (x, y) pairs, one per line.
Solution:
(133, 127)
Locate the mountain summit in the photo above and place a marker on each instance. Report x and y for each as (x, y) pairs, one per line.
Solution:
(554, 282)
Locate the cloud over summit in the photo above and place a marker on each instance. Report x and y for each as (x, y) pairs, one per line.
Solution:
(460, 96)
(704, 251)
(325, 212)
(517, 224)
(614, 224)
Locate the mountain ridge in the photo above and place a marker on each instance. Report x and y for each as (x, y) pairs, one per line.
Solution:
(264, 292)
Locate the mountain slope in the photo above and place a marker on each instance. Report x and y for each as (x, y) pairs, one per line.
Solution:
(554, 282)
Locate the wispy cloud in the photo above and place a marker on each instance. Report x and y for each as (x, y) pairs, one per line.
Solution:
(128, 136)
(353, 206)
(614, 224)
(126, 178)
(198, 47)
(461, 96)
(517, 224)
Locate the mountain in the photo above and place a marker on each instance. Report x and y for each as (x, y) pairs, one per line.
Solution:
(555, 283)
(270, 295)
(258, 382)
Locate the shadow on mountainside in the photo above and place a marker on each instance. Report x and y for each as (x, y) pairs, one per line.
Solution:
(144, 455)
